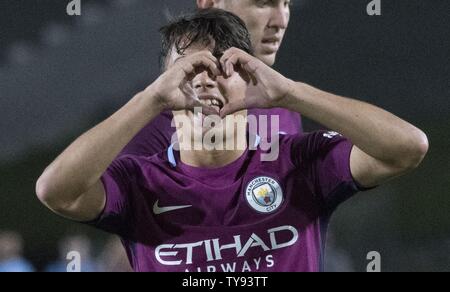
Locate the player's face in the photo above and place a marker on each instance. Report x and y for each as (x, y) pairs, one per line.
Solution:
(266, 20)
(215, 91)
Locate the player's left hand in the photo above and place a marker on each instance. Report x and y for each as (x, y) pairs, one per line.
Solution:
(267, 88)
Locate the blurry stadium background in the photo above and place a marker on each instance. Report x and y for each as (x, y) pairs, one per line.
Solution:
(61, 75)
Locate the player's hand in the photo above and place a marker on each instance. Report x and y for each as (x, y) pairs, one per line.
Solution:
(173, 89)
(267, 88)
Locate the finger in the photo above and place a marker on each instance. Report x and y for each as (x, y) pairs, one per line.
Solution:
(239, 58)
(232, 108)
(225, 57)
(227, 69)
(207, 54)
(197, 65)
(188, 91)
(201, 69)
(231, 51)
(230, 68)
(211, 65)
(210, 56)
(223, 60)
(188, 70)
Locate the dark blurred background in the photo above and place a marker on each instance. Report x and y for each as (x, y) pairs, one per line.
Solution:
(61, 75)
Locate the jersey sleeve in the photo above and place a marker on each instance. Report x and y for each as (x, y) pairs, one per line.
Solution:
(325, 159)
(118, 181)
(153, 138)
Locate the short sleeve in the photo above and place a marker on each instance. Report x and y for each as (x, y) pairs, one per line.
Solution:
(153, 138)
(325, 159)
(118, 184)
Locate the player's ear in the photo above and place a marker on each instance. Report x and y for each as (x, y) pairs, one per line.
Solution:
(203, 4)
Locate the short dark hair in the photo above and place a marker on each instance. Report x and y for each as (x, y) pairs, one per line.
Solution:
(226, 29)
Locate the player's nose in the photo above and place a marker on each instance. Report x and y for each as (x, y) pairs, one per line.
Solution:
(280, 17)
(204, 82)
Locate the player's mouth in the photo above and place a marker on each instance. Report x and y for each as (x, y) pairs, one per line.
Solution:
(212, 101)
(271, 45)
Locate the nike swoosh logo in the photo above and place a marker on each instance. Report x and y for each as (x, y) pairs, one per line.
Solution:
(160, 210)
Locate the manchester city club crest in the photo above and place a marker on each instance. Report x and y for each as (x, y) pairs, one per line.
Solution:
(264, 194)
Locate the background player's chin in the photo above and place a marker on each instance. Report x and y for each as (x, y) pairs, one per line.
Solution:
(268, 57)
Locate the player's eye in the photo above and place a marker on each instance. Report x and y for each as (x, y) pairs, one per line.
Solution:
(262, 3)
(265, 3)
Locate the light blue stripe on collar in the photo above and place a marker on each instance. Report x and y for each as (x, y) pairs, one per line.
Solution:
(171, 156)
(257, 141)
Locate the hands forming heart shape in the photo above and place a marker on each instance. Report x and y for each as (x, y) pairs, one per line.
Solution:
(266, 88)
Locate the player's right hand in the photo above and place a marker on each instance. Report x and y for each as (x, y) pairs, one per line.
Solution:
(173, 89)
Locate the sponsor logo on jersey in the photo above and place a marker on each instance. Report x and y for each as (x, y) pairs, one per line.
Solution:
(238, 255)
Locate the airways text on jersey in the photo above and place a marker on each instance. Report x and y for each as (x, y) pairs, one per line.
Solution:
(242, 254)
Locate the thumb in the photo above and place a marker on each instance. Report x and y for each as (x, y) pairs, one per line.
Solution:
(232, 108)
